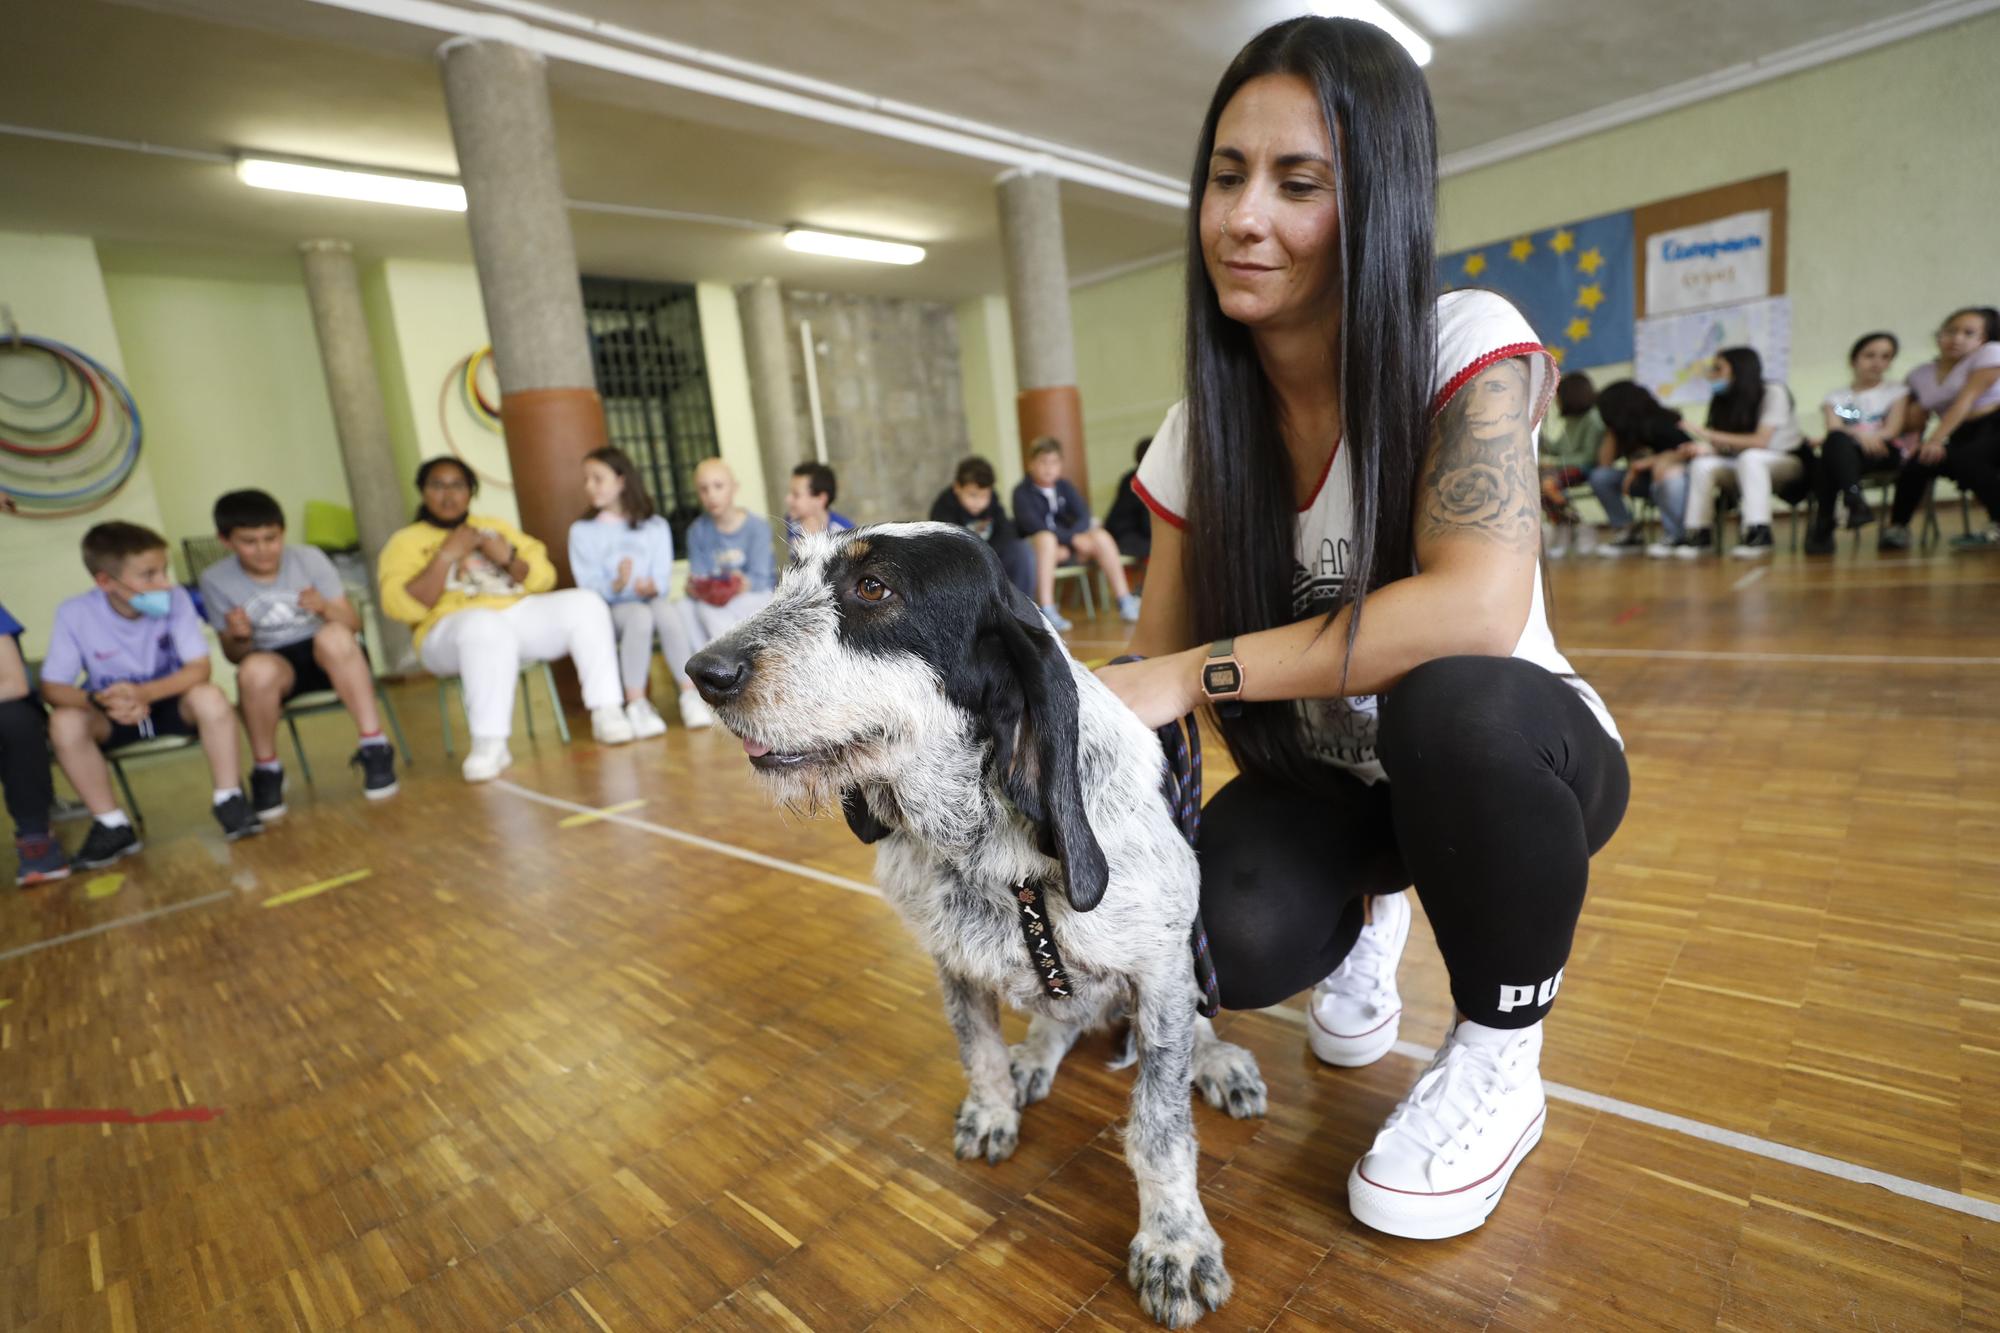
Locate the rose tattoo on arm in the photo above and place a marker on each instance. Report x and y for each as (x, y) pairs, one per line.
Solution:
(1480, 479)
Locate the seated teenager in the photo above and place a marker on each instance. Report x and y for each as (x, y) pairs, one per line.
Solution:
(1863, 422)
(731, 566)
(1128, 520)
(1961, 390)
(136, 643)
(623, 551)
(970, 503)
(477, 592)
(286, 623)
(1749, 444)
(1567, 458)
(1057, 522)
(1655, 445)
(809, 502)
(24, 766)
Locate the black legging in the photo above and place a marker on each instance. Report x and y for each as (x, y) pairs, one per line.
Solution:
(1502, 783)
(1971, 458)
(1841, 465)
(24, 765)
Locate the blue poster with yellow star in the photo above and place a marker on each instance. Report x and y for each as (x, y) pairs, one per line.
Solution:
(1573, 282)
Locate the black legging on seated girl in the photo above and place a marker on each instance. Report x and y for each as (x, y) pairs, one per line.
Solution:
(1502, 783)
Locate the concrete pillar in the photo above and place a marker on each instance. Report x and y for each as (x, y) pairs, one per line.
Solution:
(767, 350)
(1031, 238)
(333, 286)
(497, 97)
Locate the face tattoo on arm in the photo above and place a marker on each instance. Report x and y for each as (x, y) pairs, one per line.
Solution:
(1481, 480)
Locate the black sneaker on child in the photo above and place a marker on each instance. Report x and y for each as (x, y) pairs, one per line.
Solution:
(1819, 541)
(267, 792)
(1894, 537)
(238, 820)
(1756, 542)
(1859, 512)
(104, 844)
(378, 770)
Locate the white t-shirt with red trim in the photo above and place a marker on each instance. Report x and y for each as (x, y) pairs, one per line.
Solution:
(1474, 329)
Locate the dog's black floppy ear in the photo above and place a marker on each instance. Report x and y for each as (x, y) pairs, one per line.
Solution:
(1030, 702)
(862, 819)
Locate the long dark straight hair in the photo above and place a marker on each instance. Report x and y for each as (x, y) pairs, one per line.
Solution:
(1737, 407)
(1242, 514)
(637, 501)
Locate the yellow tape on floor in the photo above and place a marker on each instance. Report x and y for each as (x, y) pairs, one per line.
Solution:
(312, 890)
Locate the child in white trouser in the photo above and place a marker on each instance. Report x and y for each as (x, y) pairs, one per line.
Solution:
(485, 648)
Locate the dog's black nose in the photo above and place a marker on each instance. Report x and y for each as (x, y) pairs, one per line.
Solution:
(719, 672)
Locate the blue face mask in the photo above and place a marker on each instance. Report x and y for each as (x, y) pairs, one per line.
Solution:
(1717, 386)
(154, 604)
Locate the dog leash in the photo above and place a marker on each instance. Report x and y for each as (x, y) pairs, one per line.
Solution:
(1182, 788)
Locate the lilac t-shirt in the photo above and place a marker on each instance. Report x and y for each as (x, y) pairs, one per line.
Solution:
(1936, 397)
(89, 638)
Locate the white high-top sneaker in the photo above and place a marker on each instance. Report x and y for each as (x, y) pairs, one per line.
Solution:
(609, 726)
(694, 711)
(1445, 1155)
(1355, 1013)
(489, 758)
(645, 719)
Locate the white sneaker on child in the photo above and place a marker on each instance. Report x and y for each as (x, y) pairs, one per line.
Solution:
(1057, 620)
(1444, 1157)
(487, 760)
(1355, 1013)
(609, 726)
(645, 719)
(1128, 607)
(694, 711)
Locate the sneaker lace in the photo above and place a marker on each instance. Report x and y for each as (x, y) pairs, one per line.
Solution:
(1368, 970)
(1451, 1104)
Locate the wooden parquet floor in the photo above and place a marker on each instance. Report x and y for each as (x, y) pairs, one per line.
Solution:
(530, 1074)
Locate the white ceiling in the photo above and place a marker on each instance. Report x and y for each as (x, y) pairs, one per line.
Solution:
(1127, 79)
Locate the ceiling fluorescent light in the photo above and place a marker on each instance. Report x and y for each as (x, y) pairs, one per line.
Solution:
(839, 246)
(340, 183)
(1379, 14)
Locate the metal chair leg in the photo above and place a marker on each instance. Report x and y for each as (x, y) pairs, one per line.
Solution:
(305, 764)
(444, 712)
(395, 723)
(131, 801)
(555, 703)
(528, 700)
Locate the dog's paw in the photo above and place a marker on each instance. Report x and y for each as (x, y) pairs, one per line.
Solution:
(1229, 1080)
(986, 1130)
(1176, 1279)
(1033, 1073)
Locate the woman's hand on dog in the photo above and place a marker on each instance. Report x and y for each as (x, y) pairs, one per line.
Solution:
(1160, 689)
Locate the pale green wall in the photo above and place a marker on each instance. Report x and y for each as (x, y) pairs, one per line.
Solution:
(986, 371)
(1894, 210)
(223, 356)
(55, 288)
(729, 393)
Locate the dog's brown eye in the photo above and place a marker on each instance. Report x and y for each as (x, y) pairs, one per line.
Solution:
(871, 589)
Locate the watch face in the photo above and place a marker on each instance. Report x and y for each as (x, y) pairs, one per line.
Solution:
(1221, 678)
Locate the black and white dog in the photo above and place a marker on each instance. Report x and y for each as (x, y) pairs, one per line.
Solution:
(1014, 803)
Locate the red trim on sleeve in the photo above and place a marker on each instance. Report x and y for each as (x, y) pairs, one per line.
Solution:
(1445, 394)
(1320, 485)
(1146, 496)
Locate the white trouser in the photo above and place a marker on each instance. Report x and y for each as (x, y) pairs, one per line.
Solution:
(637, 623)
(484, 648)
(705, 623)
(1754, 472)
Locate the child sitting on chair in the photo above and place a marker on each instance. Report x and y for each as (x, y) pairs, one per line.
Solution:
(1057, 522)
(286, 622)
(137, 642)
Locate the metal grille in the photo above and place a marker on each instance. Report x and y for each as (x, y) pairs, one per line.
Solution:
(645, 343)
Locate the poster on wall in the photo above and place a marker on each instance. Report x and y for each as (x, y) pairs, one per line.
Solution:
(1673, 351)
(1726, 261)
(1574, 283)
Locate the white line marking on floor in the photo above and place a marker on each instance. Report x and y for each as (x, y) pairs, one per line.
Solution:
(1728, 1138)
(1751, 577)
(1831, 659)
(133, 920)
(696, 840)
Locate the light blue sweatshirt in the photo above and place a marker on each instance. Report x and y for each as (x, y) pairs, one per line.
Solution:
(597, 547)
(746, 551)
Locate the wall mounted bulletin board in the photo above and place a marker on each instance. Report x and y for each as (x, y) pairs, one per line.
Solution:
(1764, 194)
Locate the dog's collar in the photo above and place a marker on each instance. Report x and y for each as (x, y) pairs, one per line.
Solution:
(1039, 931)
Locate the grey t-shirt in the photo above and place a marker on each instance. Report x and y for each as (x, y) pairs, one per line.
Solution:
(276, 618)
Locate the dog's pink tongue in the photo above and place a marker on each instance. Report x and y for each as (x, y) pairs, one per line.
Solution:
(755, 749)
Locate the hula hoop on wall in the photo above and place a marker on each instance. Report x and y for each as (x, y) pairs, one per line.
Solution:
(36, 404)
(457, 378)
(89, 394)
(488, 413)
(122, 457)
